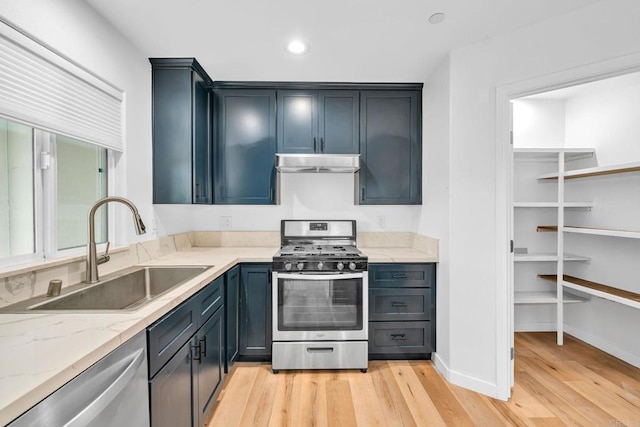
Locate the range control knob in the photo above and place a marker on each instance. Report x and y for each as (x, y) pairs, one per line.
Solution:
(352, 266)
(300, 266)
(320, 265)
(340, 266)
(287, 266)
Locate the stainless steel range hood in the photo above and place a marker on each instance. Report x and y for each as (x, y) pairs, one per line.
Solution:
(314, 163)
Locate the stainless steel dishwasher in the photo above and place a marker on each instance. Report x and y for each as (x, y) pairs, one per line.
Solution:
(112, 392)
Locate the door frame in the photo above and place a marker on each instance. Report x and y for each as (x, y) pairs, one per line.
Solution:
(612, 67)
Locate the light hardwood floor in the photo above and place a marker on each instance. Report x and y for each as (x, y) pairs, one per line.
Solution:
(575, 384)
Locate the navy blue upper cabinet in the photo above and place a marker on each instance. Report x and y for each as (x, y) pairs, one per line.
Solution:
(245, 146)
(182, 172)
(297, 121)
(318, 121)
(390, 148)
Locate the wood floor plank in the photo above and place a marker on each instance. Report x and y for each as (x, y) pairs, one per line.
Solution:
(562, 409)
(573, 385)
(340, 404)
(483, 414)
(395, 409)
(444, 400)
(365, 401)
(284, 404)
(260, 403)
(568, 394)
(420, 405)
(235, 396)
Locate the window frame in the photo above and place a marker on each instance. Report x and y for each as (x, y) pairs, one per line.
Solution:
(45, 192)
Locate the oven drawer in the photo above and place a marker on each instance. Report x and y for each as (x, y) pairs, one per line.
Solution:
(402, 275)
(398, 304)
(320, 355)
(400, 337)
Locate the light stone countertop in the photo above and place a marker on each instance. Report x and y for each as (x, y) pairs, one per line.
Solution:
(41, 352)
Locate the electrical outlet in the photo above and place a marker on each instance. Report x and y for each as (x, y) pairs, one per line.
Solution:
(225, 223)
(381, 222)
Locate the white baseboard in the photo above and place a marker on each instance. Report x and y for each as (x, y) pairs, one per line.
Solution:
(535, 327)
(465, 381)
(603, 345)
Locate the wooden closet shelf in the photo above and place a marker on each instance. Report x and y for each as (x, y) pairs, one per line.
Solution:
(598, 289)
(597, 171)
(591, 230)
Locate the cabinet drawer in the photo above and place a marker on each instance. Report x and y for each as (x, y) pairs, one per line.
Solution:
(397, 304)
(170, 333)
(209, 299)
(402, 275)
(400, 337)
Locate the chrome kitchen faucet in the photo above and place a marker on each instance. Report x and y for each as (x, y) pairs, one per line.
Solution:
(92, 257)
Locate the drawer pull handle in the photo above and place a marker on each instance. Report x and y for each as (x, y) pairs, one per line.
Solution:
(398, 337)
(319, 349)
(398, 304)
(400, 276)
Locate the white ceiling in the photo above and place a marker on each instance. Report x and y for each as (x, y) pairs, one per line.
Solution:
(351, 40)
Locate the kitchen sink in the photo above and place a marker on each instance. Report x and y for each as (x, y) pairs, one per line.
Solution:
(126, 290)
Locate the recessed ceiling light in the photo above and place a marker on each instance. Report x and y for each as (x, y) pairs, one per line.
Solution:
(437, 18)
(297, 47)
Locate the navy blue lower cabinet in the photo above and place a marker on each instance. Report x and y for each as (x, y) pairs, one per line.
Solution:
(232, 307)
(171, 391)
(402, 310)
(209, 364)
(255, 312)
(187, 359)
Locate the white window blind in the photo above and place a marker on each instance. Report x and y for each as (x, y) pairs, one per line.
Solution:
(41, 88)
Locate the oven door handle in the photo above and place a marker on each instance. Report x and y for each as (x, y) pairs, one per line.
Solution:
(303, 276)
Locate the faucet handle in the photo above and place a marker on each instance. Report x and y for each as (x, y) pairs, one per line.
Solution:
(104, 257)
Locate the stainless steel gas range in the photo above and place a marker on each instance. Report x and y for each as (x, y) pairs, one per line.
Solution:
(320, 297)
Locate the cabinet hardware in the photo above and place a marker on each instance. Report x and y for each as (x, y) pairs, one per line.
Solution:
(398, 337)
(398, 304)
(314, 143)
(319, 349)
(196, 352)
(362, 194)
(322, 144)
(400, 276)
(203, 345)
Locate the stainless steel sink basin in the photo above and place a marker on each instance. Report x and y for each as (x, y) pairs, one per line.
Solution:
(126, 290)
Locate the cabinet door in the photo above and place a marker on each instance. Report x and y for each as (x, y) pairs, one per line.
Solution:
(172, 391)
(297, 121)
(202, 146)
(209, 366)
(338, 122)
(232, 306)
(172, 174)
(255, 311)
(391, 148)
(245, 146)
(182, 142)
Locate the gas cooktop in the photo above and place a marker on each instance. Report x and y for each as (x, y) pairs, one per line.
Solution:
(319, 246)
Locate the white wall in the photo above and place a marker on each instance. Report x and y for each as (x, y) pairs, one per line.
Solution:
(78, 32)
(434, 215)
(595, 33)
(303, 196)
(608, 121)
(538, 123)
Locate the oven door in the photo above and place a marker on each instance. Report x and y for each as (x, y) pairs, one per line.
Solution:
(320, 307)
